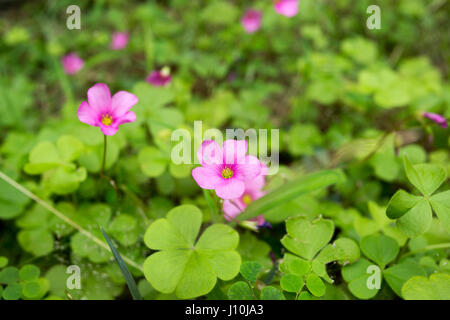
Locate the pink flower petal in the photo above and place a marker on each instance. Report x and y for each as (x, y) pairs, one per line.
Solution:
(119, 40)
(249, 168)
(251, 20)
(128, 117)
(254, 187)
(99, 98)
(72, 63)
(206, 177)
(210, 153)
(230, 189)
(122, 102)
(287, 8)
(108, 130)
(87, 115)
(234, 151)
(158, 79)
(440, 120)
(231, 210)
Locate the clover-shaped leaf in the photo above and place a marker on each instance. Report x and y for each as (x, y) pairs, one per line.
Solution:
(54, 162)
(398, 274)
(306, 238)
(414, 213)
(380, 249)
(437, 287)
(356, 276)
(441, 206)
(425, 177)
(189, 268)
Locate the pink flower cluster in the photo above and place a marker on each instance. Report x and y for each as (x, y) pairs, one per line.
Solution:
(236, 177)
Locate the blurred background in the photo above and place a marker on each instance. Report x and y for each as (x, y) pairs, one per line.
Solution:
(342, 96)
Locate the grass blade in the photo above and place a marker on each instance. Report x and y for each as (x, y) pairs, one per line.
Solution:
(291, 190)
(123, 267)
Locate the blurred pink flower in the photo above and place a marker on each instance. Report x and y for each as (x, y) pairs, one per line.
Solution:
(288, 8)
(72, 63)
(105, 112)
(159, 78)
(226, 168)
(440, 120)
(252, 191)
(119, 40)
(251, 20)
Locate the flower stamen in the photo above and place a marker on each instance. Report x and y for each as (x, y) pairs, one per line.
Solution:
(227, 173)
(246, 199)
(107, 120)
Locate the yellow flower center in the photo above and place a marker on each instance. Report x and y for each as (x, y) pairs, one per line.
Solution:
(107, 120)
(246, 199)
(227, 173)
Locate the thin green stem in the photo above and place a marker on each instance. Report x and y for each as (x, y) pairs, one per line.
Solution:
(104, 154)
(64, 218)
(428, 248)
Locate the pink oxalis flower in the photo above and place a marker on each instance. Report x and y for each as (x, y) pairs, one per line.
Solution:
(440, 120)
(72, 63)
(119, 40)
(102, 110)
(251, 21)
(287, 8)
(225, 169)
(253, 190)
(159, 78)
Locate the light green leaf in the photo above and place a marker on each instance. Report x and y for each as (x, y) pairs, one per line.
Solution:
(250, 270)
(29, 272)
(380, 249)
(39, 241)
(356, 276)
(43, 157)
(417, 220)
(400, 203)
(398, 274)
(124, 228)
(240, 291)
(190, 270)
(441, 206)
(437, 287)
(271, 293)
(9, 275)
(299, 266)
(177, 231)
(425, 177)
(306, 238)
(291, 283)
(152, 161)
(343, 250)
(70, 148)
(315, 285)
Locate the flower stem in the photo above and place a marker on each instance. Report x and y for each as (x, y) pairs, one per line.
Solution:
(445, 245)
(104, 155)
(64, 218)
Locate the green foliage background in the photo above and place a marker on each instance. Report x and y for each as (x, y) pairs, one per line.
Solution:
(341, 95)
